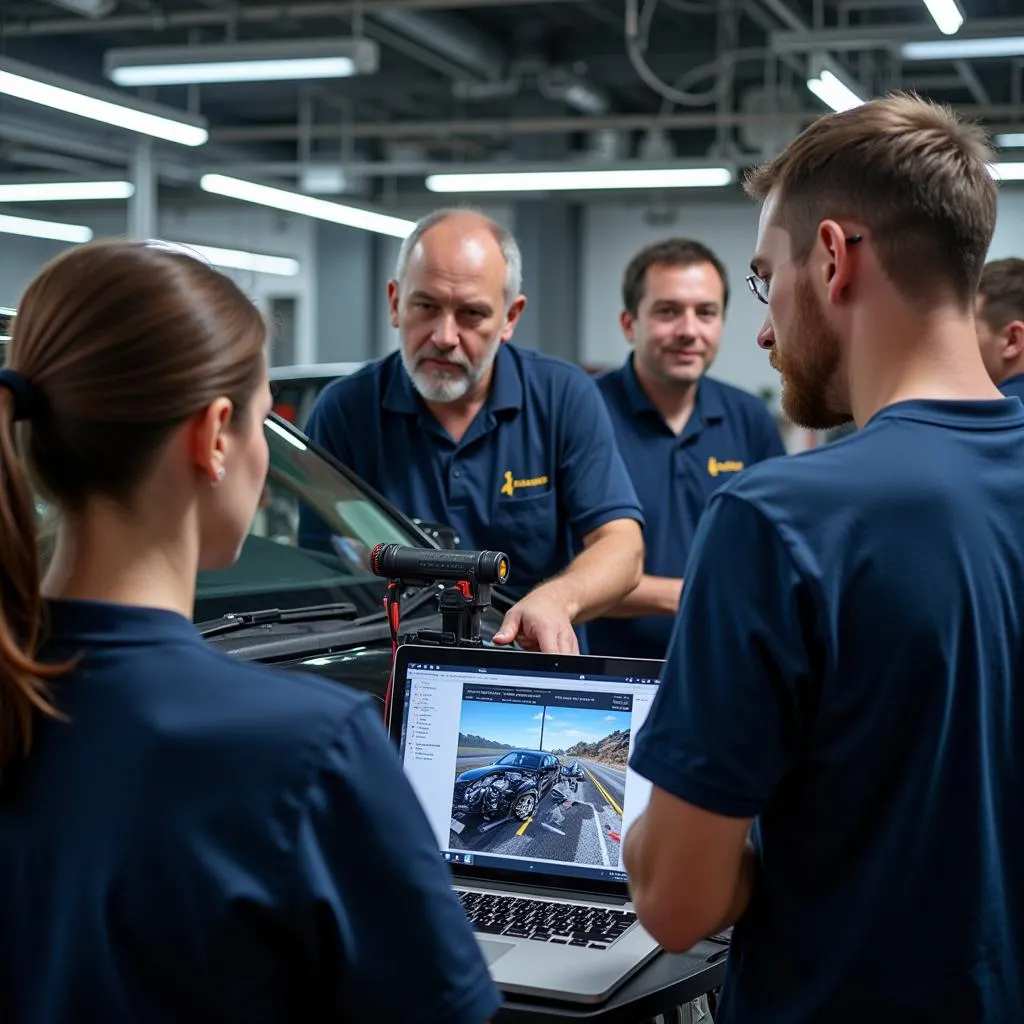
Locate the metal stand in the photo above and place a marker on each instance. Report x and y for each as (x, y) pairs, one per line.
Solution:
(461, 606)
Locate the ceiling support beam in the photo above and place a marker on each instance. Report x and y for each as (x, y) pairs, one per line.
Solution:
(503, 127)
(887, 37)
(972, 81)
(246, 13)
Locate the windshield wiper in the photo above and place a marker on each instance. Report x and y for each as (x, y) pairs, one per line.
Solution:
(234, 621)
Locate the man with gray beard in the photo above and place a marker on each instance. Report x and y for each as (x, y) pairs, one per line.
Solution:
(511, 448)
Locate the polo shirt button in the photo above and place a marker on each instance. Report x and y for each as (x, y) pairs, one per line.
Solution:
(456, 473)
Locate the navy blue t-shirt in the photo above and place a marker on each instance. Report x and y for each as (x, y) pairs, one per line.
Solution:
(205, 839)
(674, 476)
(847, 667)
(1013, 387)
(536, 472)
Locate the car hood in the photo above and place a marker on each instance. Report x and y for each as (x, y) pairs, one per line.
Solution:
(472, 774)
(356, 655)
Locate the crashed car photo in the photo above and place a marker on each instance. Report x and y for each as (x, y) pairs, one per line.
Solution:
(542, 780)
(512, 786)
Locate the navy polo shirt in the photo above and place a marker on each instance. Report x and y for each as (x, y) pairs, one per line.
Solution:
(674, 476)
(206, 839)
(846, 666)
(536, 472)
(1013, 387)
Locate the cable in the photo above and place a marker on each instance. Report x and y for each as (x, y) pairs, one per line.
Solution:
(637, 26)
(701, 71)
(392, 600)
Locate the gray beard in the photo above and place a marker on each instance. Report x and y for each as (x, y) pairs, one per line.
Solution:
(434, 386)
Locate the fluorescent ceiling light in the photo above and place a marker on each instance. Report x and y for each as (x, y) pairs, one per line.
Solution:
(236, 259)
(90, 8)
(1010, 140)
(945, 14)
(235, 71)
(570, 180)
(834, 92)
(1007, 171)
(964, 49)
(44, 229)
(64, 191)
(271, 61)
(33, 85)
(306, 206)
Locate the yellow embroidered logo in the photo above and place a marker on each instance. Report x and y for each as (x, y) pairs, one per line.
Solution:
(729, 466)
(510, 486)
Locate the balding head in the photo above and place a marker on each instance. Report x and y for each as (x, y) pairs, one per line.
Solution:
(454, 234)
(455, 298)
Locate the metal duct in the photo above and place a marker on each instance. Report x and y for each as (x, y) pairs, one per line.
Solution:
(449, 37)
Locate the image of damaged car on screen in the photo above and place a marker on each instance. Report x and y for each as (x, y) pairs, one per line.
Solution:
(559, 798)
(510, 787)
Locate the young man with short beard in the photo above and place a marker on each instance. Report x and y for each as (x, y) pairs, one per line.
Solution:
(836, 746)
(681, 432)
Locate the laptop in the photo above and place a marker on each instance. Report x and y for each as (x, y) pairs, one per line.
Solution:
(520, 762)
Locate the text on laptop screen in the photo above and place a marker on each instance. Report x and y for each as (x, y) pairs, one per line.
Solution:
(523, 771)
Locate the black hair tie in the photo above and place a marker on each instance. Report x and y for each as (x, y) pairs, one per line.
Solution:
(20, 388)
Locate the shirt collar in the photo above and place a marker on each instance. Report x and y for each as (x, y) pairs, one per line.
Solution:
(977, 414)
(104, 622)
(709, 405)
(506, 386)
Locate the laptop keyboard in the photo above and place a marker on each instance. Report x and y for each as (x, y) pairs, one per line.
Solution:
(567, 924)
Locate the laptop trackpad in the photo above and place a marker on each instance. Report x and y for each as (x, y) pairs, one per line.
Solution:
(494, 951)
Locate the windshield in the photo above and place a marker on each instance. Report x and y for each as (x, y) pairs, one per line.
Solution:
(283, 566)
(520, 760)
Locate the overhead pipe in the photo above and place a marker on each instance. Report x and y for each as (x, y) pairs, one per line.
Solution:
(245, 14)
(455, 42)
(501, 127)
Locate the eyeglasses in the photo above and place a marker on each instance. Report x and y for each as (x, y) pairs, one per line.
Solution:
(758, 285)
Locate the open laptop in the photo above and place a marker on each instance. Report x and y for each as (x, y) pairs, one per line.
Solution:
(520, 762)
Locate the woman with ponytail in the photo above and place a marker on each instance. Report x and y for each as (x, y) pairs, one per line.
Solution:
(183, 836)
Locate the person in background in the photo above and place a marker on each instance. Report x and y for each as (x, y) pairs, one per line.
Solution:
(999, 318)
(512, 448)
(681, 432)
(835, 747)
(183, 836)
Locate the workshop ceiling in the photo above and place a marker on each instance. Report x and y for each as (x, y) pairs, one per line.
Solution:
(482, 82)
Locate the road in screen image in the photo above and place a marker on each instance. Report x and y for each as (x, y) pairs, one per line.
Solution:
(540, 782)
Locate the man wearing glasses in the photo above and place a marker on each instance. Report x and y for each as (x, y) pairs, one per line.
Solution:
(682, 433)
(835, 747)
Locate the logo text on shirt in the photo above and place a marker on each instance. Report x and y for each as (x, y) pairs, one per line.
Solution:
(511, 485)
(728, 466)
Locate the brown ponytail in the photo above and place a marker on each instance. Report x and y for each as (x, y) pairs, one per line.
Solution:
(23, 690)
(116, 344)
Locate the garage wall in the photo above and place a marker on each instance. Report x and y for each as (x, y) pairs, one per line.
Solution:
(20, 258)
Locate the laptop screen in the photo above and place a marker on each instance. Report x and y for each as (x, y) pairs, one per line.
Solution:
(521, 760)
